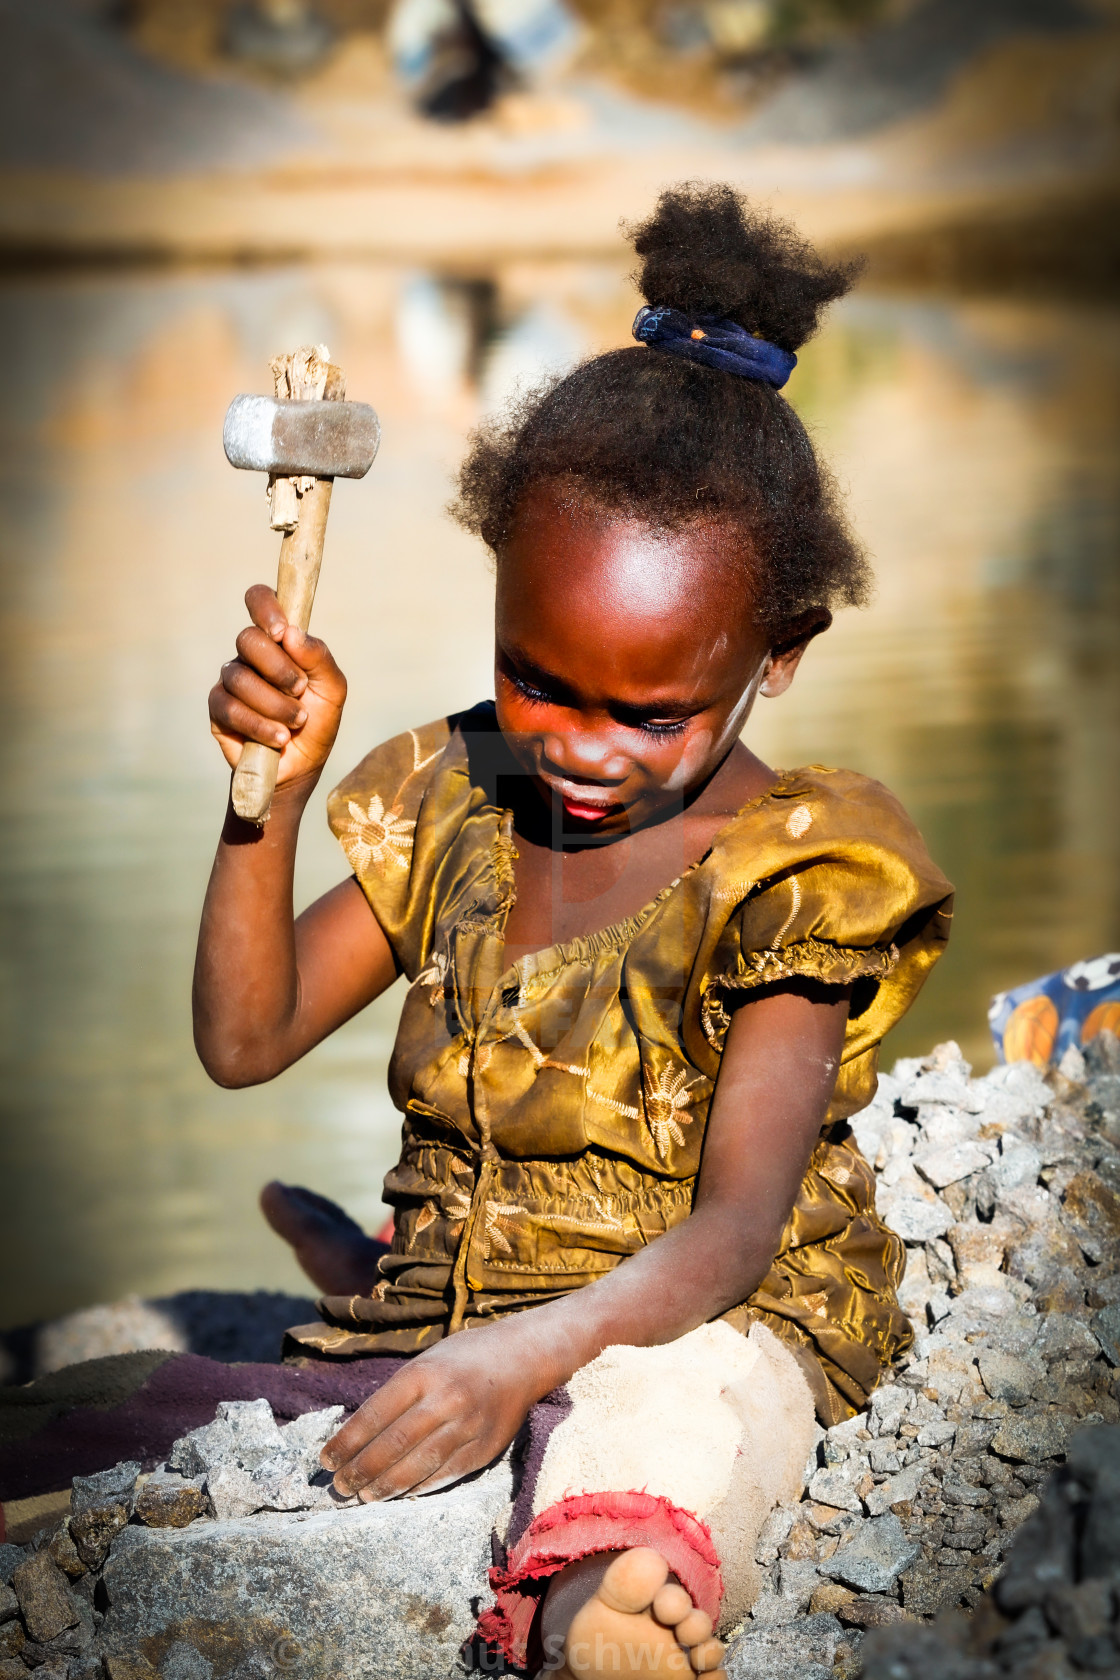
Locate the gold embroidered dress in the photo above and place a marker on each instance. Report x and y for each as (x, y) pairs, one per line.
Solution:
(554, 1108)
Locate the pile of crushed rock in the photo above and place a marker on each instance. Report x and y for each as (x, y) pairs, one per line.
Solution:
(1006, 1191)
(1054, 1612)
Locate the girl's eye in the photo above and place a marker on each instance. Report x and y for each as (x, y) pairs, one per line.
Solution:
(645, 726)
(660, 730)
(535, 696)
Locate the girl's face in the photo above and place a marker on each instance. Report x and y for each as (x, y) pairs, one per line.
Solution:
(627, 659)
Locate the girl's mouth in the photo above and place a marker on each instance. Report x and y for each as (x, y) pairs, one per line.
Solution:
(579, 803)
(580, 811)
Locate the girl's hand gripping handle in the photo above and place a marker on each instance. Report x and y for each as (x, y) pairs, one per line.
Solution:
(282, 696)
(301, 554)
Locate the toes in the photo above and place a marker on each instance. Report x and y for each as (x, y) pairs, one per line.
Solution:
(707, 1655)
(694, 1628)
(631, 1582)
(671, 1604)
(274, 1200)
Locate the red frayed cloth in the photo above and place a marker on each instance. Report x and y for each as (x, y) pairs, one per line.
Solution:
(596, 1522)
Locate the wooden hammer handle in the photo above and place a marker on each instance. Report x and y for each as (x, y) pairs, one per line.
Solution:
(301, 552)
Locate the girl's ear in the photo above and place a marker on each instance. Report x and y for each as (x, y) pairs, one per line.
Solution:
(785, 656)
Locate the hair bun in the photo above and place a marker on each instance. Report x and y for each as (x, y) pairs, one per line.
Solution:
(706, 252)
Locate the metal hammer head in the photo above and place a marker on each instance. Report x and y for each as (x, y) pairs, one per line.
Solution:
(293, 439)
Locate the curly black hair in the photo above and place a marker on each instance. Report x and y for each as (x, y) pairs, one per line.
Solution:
(657, 437)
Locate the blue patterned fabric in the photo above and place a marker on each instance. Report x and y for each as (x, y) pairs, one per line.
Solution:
(718, 344)
(1037, 1022)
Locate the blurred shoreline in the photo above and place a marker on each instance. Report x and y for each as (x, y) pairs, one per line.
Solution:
(1002, 168)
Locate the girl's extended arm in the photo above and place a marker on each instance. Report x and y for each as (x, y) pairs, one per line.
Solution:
(456, 1407)
(267, 987)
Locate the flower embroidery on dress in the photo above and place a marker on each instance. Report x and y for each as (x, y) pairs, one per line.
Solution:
(799, 822)
(376, 836)
(427, 1216)
(497, 1215)
(435, 976)
(666, 1100)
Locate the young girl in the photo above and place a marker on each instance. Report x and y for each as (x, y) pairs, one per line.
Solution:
(648, 977)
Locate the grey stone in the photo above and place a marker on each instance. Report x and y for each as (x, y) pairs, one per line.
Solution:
(1106, 1330)
(836, 1488)
(308, 1434)
(45, 1600)
(773, 1532)
(184, 1662)
(12, 1638)
(914, 1219)
(9, 1603)
(874, 1559)
(109, 1487)
(804, 1649)
(88, 1666)
(243, 1433)
(371, 1591)
(279, 1484)
(888, 1403)
(1019, 1163)
(1009, 1378)
(957, 1492)
(883, 1458)
(948, 1090)
(798, 1580)
(1062, 1335)
(1031, 1440)
(10, 1559)
(65, 1553)
(901, 1488)
(952, 1163)
(937, 1433)
(92, 1532)
(844, 1438)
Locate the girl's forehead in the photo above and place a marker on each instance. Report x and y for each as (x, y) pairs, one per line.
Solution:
(622, 565)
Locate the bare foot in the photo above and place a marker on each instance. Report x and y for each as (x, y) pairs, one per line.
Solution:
(619, 1614)
(331, 1247)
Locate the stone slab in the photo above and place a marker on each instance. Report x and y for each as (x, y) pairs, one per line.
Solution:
(367, 1592)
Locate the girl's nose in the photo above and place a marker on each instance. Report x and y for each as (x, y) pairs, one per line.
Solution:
(590, 754)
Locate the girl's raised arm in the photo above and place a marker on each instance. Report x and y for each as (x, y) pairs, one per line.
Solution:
(267, 987)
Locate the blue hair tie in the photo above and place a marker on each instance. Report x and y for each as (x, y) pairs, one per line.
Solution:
(718, 344)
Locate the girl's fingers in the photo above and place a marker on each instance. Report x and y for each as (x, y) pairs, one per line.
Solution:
(471, 1456)
(429, 1462)
(372, 1418)
(256, 649)
(233, 717)
(265, 610)
(381, 1451)
(316, 661)
(261, 696)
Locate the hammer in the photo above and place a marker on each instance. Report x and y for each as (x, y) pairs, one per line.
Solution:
(304, 438)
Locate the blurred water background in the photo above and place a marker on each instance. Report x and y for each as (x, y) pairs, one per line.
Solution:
(975, 428)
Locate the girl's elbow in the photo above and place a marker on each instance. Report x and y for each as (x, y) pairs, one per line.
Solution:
(234, 1067)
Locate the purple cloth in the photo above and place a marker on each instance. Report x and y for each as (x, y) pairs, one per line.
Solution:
(540, 1423)
(180, 1394)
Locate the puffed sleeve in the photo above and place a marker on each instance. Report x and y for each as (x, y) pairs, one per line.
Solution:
(384, 815)
(830, 881)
